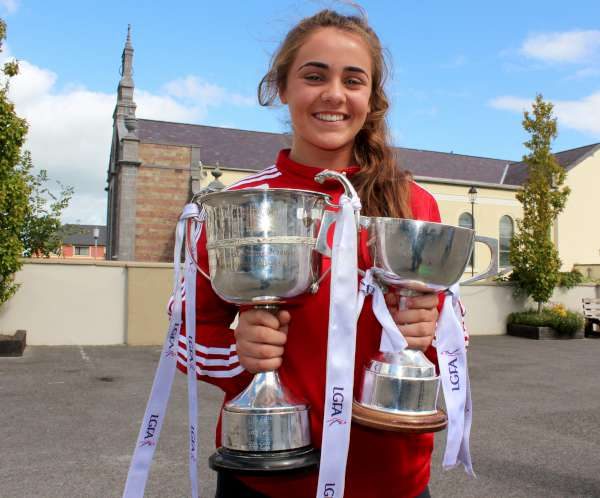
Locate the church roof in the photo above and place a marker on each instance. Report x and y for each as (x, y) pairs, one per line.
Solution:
(254, 150)
(230, 148)
(450, 166)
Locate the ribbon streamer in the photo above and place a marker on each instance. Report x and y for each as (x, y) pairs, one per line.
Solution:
(452, 359)
(156, 407)
(341, 347)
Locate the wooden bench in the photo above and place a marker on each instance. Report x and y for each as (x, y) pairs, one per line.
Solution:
(591, 312)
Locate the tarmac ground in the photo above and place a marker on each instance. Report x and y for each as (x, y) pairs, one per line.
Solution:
(70, 416)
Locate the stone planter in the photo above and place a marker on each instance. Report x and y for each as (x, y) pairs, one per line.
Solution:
(13, 345)
(540, 333)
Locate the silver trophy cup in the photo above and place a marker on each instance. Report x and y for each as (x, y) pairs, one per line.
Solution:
(399, 391)
(262, 252)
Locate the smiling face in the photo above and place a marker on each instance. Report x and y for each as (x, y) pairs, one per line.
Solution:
(327, 91)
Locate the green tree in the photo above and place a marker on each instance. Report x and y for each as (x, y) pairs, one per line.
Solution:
(41, 231)
(533, 255)
(14, 185)
(29, 210)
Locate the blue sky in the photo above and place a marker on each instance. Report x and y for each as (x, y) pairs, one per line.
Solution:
(462, 73)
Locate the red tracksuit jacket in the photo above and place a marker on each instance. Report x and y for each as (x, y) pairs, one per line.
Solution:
(380, 463)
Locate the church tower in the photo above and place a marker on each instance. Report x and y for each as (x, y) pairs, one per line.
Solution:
(123, 166)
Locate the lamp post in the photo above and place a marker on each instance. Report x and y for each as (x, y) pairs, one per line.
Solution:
(96, 235)
(472, 200)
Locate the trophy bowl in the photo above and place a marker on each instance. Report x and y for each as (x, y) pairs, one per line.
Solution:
(261, 243)
(420, 255)
(399, 391)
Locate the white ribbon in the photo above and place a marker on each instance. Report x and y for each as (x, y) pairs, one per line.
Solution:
(156, 407)
(341, 346)
(190, 336)
(392, 339)
(452, 360)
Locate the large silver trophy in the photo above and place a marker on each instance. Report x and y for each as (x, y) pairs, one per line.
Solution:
(262, 252)
(399, 391)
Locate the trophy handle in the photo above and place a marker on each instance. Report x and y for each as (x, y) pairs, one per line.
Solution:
(322, 246)
(188, 249)
(492, 268)
(328, 174)
(328, 219)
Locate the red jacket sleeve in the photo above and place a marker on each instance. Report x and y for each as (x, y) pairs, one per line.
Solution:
(216, 356)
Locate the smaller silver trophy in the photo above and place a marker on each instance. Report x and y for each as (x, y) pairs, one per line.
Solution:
(399, 391)
(262, 249)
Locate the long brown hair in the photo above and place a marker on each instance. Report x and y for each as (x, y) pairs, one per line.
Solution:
(383, 188)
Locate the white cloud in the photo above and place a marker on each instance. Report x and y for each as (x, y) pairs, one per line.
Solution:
(507, 103)
(204, 93)
(87, 209)
(165, 108)
(582, 115)
(70, 130)
(11, 6)
(587, 72)
(568, 46)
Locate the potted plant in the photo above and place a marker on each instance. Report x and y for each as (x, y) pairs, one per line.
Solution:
(553, 322)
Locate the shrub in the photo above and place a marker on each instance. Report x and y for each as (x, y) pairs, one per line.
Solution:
(569, 279)
(556, 316)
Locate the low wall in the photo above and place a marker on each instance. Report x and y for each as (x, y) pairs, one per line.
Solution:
(488, 304)
(71, 302)
(63, 302)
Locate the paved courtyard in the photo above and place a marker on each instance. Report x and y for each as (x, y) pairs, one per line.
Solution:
(69, 418)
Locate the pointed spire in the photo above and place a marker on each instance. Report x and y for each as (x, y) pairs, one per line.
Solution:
(125, 107)
(128, 42)
(127, 59)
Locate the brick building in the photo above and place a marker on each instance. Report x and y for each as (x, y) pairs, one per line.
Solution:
(83, 241)
(156, 166)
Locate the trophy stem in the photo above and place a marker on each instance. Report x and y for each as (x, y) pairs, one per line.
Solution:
(270, 378)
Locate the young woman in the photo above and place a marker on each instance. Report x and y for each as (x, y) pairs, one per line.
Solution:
(330, 72)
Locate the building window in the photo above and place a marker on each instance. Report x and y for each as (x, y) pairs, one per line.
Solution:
(82, 251)
(465, 220)
(507, 230)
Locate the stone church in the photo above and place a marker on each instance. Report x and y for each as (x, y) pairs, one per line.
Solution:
(156, 166)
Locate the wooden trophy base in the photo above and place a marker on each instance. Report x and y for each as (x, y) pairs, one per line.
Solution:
(386, 421)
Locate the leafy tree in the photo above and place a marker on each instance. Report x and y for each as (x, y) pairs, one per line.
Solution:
(14, 187)
(533, 255)
(41, 231)
(29, 211)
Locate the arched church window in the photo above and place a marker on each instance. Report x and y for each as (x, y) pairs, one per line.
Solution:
(507, 230)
